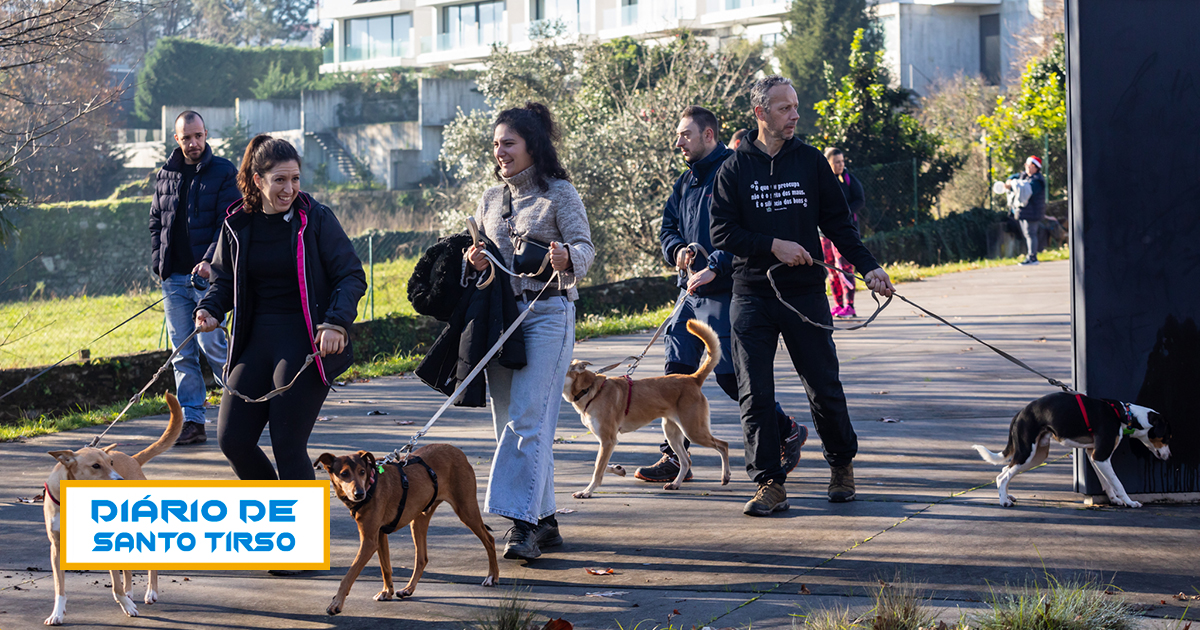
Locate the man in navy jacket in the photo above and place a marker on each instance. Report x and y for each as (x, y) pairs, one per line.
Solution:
(704, 280)
(191, 193)
(769, 200)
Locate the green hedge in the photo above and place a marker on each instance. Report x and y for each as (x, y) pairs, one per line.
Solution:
(961, 236)
(187, 72)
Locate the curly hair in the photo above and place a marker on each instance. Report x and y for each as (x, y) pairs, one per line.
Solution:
(262, 154)
(535, 125)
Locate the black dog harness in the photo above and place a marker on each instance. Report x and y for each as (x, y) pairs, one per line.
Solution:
(392, 526)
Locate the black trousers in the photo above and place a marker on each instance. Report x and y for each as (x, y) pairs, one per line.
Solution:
(275, 351)
(757, 324)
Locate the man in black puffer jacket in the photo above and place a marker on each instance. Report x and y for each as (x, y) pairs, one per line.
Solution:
(191, 194)
(770, 198)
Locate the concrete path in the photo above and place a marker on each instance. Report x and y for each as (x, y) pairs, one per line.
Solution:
(927, 510)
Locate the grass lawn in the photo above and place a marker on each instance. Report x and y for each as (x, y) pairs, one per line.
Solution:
(40, 332)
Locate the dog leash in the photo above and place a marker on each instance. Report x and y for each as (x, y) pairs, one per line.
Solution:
(308, 360)
(697, 251)
(403, 452)
(1053, 381)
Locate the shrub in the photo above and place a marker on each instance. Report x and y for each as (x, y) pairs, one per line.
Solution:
(961, 236)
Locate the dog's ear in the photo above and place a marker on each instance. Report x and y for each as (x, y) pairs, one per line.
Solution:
(324, 461)
(367, 458)
(578, 366)
(109, 448)
(66, 458)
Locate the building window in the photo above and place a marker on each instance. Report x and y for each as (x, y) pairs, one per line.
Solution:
(475, 24)
(989, 48)
(771, 40)
(378, 37)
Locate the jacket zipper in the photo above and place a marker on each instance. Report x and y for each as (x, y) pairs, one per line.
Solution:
(237, 252)
(303, 278)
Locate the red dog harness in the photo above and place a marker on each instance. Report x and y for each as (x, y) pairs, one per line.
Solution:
(46, 485)
(1079, 399)
(628, 397)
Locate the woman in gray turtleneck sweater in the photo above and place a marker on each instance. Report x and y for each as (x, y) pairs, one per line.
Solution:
(525, 402)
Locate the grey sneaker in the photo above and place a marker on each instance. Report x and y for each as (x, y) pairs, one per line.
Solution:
(841, 483)
(771, 497)
(192, 433)
(790, 456)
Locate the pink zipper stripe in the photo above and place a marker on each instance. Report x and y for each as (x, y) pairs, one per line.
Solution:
(304, 289)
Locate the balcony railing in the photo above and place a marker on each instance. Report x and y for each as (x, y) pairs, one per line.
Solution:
(468, 37)
(577, 24)
(731, 5)
(650, 15)
(378, 50)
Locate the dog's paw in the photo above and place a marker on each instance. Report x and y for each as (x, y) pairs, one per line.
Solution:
(1126, 502)
(490, 580)
(55, 619)
(334, 608)
(151, 596)
(582, 494)
(674, 485)
(127, 605)
(406, 592)
(384, 595)
(725, 480)
(1008, 501)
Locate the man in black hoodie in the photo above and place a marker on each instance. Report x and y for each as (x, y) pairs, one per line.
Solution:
(705, 287)
(770, 199)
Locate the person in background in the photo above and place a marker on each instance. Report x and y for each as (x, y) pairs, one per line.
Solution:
(1027, 201)
(770, 198)
(191, 192)
(705, 283)
(737, 138)
(842, 285)
(286, 269)
(525, 402)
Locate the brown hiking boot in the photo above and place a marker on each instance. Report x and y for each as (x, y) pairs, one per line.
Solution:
(841, 483)
(771, 497)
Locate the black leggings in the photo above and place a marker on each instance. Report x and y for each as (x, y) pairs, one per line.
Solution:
(275, 351)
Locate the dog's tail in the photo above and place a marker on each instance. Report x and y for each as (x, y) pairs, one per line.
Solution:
(174, 427)
(711, 343)
(990, 457)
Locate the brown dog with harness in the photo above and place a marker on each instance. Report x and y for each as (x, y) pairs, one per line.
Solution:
(384, 497)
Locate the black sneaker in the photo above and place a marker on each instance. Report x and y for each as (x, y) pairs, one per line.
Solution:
(193, 433)
(790, 450)
(666, 469)
(547, 532)
(522, 542)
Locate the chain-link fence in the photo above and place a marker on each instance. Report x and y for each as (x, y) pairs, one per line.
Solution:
(891, 192)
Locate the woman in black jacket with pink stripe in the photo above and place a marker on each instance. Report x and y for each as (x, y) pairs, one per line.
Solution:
(286, 269)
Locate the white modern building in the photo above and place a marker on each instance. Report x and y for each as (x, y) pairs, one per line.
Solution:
(924, 39)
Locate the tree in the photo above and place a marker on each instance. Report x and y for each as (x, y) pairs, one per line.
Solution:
(819, 32)
(56, 95)
(1032, 120)
(251, 22)
(952, 110)
(618, 104)
(875, 125)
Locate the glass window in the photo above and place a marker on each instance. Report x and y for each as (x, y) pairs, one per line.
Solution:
(475, 24)
(378, 37)
(989, 48)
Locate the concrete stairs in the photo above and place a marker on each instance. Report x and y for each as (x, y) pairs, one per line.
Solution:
(346, 164)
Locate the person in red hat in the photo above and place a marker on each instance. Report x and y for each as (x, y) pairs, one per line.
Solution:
(1027, 201)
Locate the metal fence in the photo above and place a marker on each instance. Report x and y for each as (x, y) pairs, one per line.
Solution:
(892, 195)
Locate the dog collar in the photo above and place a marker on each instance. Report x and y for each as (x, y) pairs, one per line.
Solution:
(584, 393)
(1127, 427)
(46, 485)
(589, 402)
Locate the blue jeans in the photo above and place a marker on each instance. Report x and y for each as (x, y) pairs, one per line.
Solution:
(525, 405)
(181, 301)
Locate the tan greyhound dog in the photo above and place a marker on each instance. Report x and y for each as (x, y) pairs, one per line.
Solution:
(102, 464)
(386, 497)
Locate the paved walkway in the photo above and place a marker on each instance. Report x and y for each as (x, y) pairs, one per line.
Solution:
(927, 508)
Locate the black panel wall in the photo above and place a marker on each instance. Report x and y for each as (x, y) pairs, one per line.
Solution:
(1134, 124)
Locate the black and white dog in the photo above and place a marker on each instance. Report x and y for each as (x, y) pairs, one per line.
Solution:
(1078, 421)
